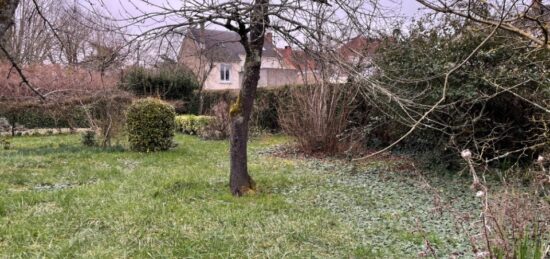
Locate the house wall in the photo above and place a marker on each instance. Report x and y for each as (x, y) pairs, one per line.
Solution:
(273, 74)
(213, 81)
(274, 77)
(267, 62)
(308, 77)
(189, 56)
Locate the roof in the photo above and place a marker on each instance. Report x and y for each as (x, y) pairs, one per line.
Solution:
(298, 59)
(225, 45)
(359, 45)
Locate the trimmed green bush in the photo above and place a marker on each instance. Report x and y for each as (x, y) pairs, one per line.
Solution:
(192, 124)
(150, 125)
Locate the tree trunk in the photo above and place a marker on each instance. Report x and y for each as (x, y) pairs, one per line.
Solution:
(201, 102)
(240, 181)
(7, 10)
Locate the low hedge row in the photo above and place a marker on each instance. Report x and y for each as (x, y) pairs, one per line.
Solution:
(192, 124)
(36, 114)
(70, 113)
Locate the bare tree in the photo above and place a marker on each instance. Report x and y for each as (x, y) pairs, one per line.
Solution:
(530, 20)
(296, 21)
(30, 40)
(315, 24)
(7, 11)
(74, 34)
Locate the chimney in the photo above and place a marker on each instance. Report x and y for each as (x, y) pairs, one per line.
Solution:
(268, 38)
(288, 51)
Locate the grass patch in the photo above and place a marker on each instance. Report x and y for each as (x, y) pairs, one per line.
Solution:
(59, 199)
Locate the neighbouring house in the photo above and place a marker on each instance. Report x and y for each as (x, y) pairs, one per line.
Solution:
(357, 53)
(353, 54)
(359, 49)
(307, 67)
(217, 59)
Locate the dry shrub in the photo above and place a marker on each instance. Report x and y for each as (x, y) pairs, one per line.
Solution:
(515, 222)
(513, 219)
(106, 113)
(218, 128)
(317, 116)
(102, 111)
(53, 79)
(75, 97)
(517, 225)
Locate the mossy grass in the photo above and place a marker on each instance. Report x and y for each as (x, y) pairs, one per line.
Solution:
(61, 199)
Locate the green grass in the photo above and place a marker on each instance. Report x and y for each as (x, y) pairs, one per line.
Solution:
(59, 199)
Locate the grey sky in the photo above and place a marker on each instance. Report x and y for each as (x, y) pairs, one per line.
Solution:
(124, 8)
(407, 8)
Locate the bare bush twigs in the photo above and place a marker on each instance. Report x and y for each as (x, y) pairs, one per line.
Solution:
(317, 115)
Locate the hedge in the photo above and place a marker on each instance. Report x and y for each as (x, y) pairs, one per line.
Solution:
(36, 114)
(265, 111)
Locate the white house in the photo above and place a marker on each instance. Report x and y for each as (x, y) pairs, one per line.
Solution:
(217, 58)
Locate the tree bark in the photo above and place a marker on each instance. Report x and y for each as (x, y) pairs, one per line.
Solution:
(240, 181)
(7, 11)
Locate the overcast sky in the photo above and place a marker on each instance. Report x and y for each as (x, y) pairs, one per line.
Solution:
(407, 8)
(125, 8)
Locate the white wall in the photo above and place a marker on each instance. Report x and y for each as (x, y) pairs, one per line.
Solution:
(273, 74)
(213, 81)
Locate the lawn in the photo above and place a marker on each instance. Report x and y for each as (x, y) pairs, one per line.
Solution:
(59, 199)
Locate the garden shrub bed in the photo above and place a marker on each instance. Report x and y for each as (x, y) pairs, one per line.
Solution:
(265, 112)
(192, 124)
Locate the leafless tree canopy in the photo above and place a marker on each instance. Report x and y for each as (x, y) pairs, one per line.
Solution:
(526, 18)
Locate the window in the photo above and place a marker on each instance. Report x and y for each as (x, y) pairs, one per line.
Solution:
(225, 72)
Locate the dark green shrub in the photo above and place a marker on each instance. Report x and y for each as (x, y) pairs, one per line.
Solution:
(150, 125)
(5, 143)
(88, 138)
(169, 82)
(265, 114)
(35, 114)
(478, 112)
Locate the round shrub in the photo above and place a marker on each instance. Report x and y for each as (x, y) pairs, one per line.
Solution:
(150, 124)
